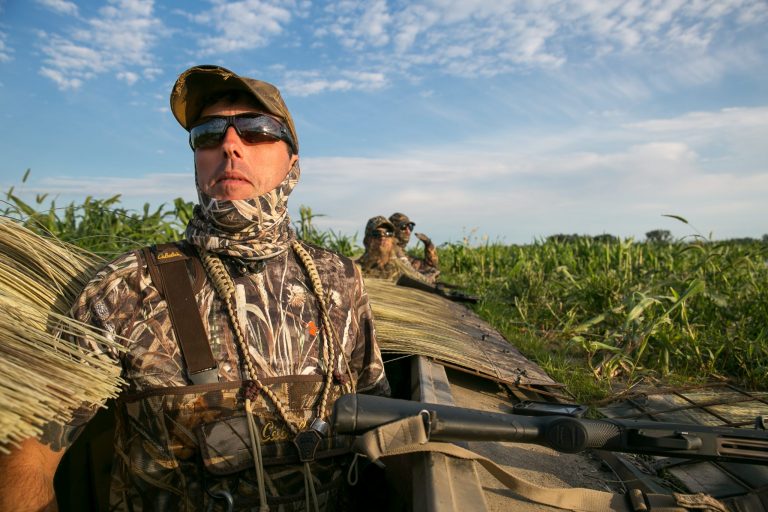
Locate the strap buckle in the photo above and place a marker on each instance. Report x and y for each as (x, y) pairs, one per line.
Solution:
(208, 376)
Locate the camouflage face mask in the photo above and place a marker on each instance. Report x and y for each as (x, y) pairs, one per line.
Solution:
(252, 229)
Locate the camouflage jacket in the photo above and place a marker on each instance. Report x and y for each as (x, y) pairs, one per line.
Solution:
(395, 267)
(177, 442)
(423, 267)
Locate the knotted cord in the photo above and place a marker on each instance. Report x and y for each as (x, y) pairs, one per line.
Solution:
(224, 287)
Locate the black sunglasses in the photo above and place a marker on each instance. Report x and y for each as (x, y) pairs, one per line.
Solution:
(250, 127)
(382, 234)
(409, 225)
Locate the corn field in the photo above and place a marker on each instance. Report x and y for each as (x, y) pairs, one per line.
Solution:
(625, 310)
(595, 313)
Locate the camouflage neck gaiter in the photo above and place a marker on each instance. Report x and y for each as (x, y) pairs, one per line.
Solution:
(250, 229)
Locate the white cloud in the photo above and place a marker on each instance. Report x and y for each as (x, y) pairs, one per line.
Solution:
(521, 184)
(149, 187)
(61, 81)
(307, 83)
(6, 53)
(474, 38)
(128, 77)
(60, 6)
(357, 24)
(243, 25)
(119, 38)
(724, 119)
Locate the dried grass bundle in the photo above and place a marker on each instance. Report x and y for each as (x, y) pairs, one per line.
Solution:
(410, 321)
(42, 375)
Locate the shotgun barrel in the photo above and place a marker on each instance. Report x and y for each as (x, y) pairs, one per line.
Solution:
(356, 414)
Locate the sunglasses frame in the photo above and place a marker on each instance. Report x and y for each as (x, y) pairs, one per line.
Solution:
(382, 234)
(280, 134)
(410, 225)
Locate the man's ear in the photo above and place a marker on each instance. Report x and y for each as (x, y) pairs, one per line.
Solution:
(294, 158)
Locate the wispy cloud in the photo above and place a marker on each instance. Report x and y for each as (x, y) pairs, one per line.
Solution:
(6, 53)
(243, 25)
(723, 119)
(477, 38)
(60, 6)
(150, 187)
(307, 83)
(551, 185)
(121, 37)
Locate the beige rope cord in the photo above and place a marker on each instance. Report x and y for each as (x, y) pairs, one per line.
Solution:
(225, 288)
(44, 375)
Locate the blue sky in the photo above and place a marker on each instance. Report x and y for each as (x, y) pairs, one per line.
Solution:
(507, 119)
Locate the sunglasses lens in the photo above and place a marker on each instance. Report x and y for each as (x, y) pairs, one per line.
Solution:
(259, 128)
(208, 134)
(250, 128)
(408, 225)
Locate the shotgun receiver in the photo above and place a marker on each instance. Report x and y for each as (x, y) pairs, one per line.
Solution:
(356, 414)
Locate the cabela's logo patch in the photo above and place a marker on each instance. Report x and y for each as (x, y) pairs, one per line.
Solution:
(168, 255)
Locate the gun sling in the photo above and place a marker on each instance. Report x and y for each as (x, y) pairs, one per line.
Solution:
(167, 266)
(409, 435)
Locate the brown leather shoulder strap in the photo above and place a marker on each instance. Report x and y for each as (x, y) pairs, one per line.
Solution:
(167, 267)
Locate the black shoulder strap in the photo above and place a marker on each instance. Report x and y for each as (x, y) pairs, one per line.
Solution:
(168, 269)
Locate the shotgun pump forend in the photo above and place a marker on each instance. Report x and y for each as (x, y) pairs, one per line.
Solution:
(356, 414)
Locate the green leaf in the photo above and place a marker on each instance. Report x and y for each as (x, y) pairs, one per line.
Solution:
(21, 205)
(583, 327)
(639, 308)
(681, 219)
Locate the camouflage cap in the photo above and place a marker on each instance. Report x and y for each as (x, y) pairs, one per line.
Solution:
(378, 222)
(399, 218)
(198, 83)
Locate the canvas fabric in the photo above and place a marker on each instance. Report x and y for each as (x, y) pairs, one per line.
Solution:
(159, 458)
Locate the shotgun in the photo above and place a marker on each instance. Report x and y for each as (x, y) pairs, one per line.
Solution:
(355, 414)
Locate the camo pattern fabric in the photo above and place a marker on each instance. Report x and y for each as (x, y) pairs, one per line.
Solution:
(250, 229)
(159, 462)
(423, 266)
(162, 467)
(428, 266)
(391, 270)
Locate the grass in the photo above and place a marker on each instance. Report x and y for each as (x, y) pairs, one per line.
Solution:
(621, 311)
(596, 313)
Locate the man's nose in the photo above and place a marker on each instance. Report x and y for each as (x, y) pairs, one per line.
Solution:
(231, 142)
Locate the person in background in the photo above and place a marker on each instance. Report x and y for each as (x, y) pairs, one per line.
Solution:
(428, 266)
(380, 258)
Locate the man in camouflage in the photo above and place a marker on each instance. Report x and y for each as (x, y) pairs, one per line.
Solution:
(380, 258)
(379, 244)
(428, 266)
(288, 324)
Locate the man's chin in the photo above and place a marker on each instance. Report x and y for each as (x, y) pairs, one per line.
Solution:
(232, 191)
